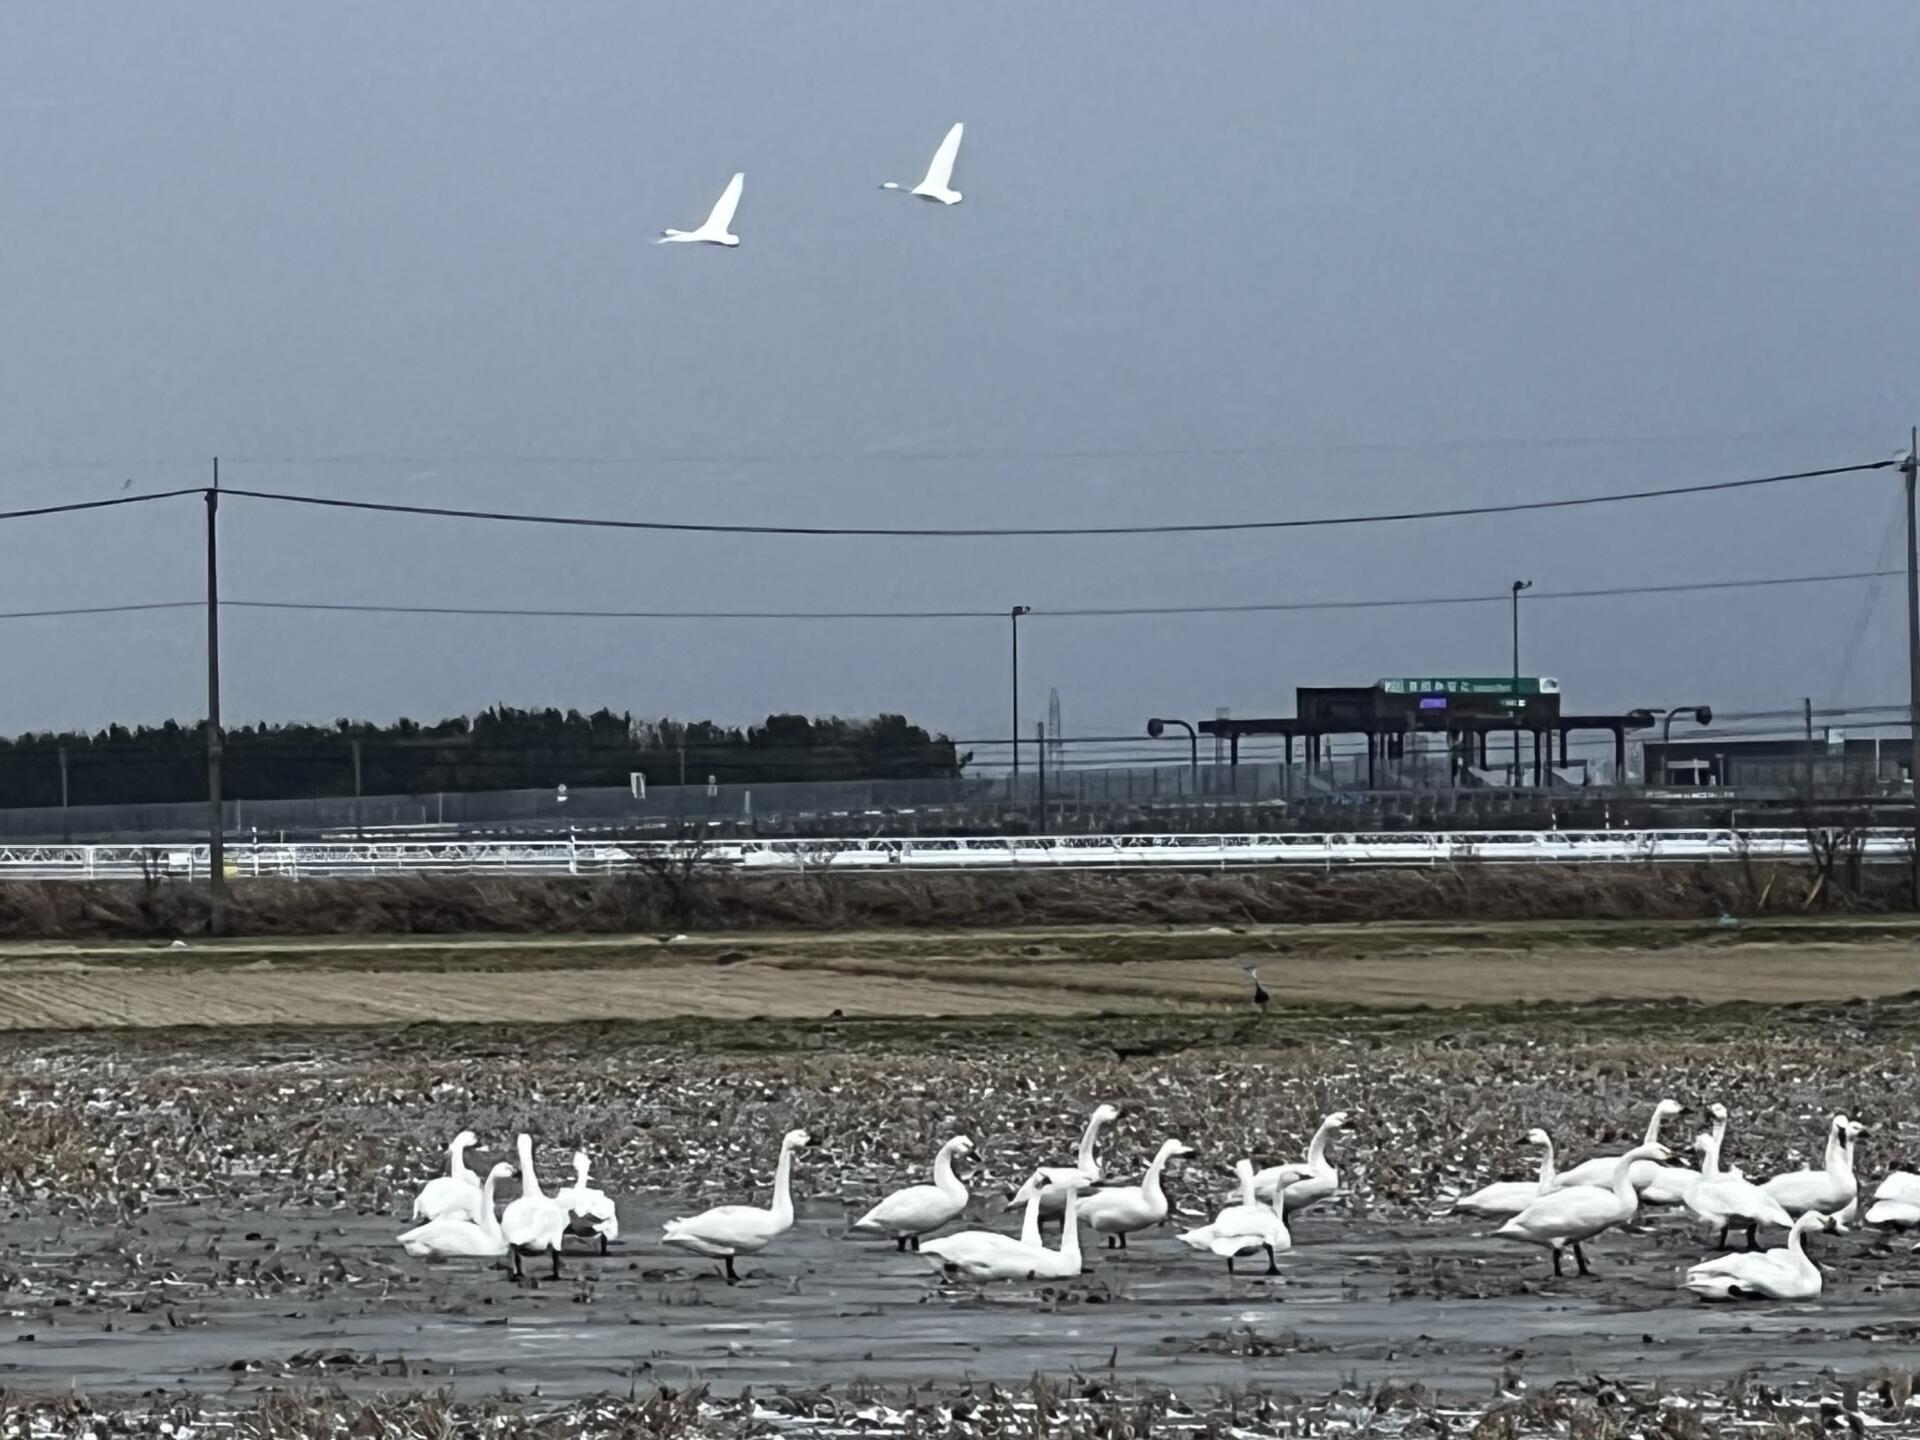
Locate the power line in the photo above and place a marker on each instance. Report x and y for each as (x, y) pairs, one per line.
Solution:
(74, 506)
(1041, 612)
(103, 609)
(1038, 612)
(1207, 527)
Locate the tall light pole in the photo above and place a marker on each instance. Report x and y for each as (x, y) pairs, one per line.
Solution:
(1908, 466)
(216, 743)
(1157, 727)
(1518, 586)
(1013, 617)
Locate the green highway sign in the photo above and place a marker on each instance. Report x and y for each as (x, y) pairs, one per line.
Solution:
(1473, 685)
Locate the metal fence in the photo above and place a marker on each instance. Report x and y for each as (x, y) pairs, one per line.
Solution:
(578, 856)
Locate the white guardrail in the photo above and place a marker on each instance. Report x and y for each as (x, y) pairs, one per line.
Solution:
(1060, 852)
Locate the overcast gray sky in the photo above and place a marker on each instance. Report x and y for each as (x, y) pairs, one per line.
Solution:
(1229, 261)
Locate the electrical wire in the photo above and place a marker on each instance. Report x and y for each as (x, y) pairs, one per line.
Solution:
(958, 532)
(72, 507)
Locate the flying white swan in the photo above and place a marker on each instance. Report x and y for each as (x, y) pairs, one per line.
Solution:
(1306, 1184)
(1784, 1274)
(1504, 1198)
(1598, 1172)
(1055, 1179)
(987, 1254)
(1123, 1209)
(937, 185)
(535, 1223)
(729, 1230)
(1563, 1218)
(591, 1213)
(713, 231)
(1832, 1189)
(1243, 1228)
(1727, 1198)
(918, 1210)
(455, 1193)
(460, 1236)
(1896, 1204)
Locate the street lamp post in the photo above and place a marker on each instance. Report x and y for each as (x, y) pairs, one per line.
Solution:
(1702, 715)
(1013, 617)
(1518, 586)
(1157, 727)
(1909, 466)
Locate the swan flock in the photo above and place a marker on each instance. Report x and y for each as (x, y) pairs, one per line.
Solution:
(1560, 1211)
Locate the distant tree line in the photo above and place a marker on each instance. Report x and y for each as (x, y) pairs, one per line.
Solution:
(502, 748)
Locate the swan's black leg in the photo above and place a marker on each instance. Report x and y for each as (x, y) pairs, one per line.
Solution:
(1753, 1240)
(1725, 1225)
(900, 1243)
(603, 1244)
(514, 1252)
(1123, 1240)
(1229, 1264)
(914, 1243)
(1273, 1265)
(556, 1262)
(1557, 1271)
(732, 1277)
(1580, 1258)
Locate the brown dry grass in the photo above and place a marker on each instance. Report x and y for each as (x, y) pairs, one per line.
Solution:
(641, 902)
(818, 981)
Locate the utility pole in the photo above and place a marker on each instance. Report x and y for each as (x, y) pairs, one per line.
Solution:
(1040, 749)
(216, 817)
(1013, 616)
(1908, 466)
(1518, 586)
(66, 825)
(359, 820)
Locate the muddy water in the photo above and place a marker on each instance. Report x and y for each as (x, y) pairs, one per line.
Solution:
(235, 1301)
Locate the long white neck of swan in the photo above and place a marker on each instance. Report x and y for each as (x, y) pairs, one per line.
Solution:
(1030, 1227)
(489, 1221)
(1623, 1181)
(1088, 1139)
(943, 1177)
(1653, 1125)
(1070, 1228)
(529, 1182)
(1546, 1166)
(1796, 1241)
(1317, 1147)
(783, 1186)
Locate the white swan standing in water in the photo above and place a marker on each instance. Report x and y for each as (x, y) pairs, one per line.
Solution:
(918, 1210)
(989, 1255)
(937, 184)
(1504, 1198)
(1598, 1172)
(1896, 1203)
(1784, 1274)
(1832, 1189)
(1121, 1210)
(461, 1236)
(455, 1193)
(1083, 1174)
(591, 1213)
(535, 1223)
(1564, 1218)
(1728, 1198)
(729, 1230)
(1244, 1228)
(1306, 1184)
(713, 231)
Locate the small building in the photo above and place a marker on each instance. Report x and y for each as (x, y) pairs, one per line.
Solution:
(1829, 764)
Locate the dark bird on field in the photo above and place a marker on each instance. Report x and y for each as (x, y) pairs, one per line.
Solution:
(1260, 996)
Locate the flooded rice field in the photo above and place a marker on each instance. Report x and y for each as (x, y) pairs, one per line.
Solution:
(206, 1220)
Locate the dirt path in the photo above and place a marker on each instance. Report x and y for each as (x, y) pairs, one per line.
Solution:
(806, 977)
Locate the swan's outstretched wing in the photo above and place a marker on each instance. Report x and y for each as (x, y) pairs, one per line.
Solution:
(721, 220)
(940, 172)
